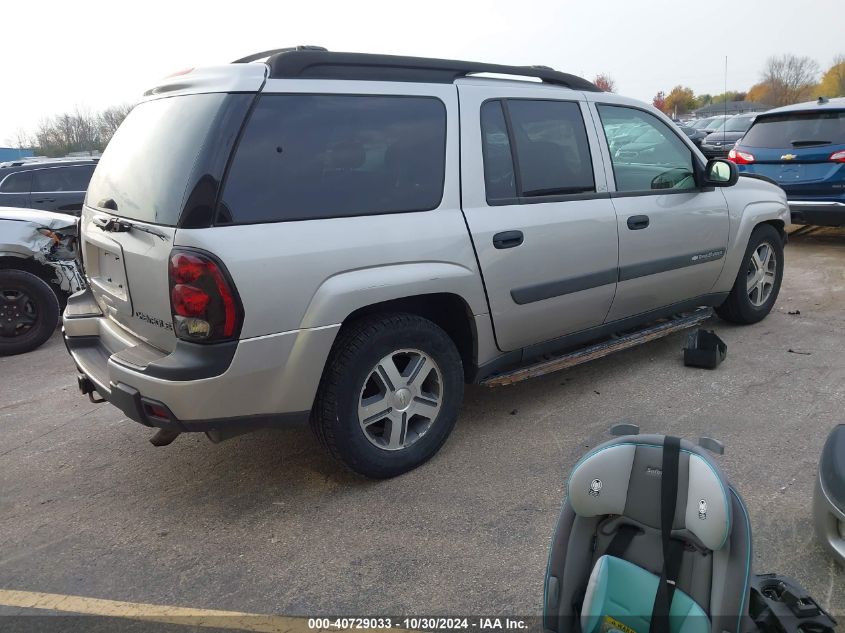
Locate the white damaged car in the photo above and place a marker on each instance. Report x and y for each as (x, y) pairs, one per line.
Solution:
(38, 270)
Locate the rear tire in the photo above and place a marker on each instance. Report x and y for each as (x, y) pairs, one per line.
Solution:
(758, 281)
(29, 311)
(390, 394)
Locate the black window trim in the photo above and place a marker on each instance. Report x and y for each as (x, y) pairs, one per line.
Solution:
(215, 220)
(697, 166)
(519, 199)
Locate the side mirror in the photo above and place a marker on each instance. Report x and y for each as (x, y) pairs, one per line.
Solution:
(720, 173)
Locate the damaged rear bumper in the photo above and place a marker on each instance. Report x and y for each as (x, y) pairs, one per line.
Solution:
(223, 387)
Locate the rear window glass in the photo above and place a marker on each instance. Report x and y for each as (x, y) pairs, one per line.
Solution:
(147, 165)
(797, 129)
(62, 178)
(303, 157)
(16, 183)
(738, 124)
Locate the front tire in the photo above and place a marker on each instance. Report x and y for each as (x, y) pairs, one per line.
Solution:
(758, 281)
(29, 311)
(390, 394)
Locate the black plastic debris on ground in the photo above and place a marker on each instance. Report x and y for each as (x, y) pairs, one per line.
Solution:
(704, 349)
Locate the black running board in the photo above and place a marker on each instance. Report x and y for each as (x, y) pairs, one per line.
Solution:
(604, 348)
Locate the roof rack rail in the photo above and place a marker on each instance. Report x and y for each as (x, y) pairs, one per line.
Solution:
(314, 62)
(276, 51)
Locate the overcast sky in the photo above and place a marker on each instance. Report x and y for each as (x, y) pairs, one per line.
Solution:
(59, 55)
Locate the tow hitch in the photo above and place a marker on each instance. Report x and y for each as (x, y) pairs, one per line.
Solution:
(86, 388)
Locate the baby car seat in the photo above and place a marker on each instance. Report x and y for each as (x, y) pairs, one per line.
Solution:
(651, 539)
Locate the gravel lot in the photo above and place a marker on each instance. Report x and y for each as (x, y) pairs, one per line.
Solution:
(267, 523)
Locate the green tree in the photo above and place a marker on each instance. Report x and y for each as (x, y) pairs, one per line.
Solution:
(730, 95)
(703, 100)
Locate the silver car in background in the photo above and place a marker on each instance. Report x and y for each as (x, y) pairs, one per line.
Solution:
(829, 496)
(348, 239)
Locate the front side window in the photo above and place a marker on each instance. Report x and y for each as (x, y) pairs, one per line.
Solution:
(17, 183)
(646, 154)
(304, 157)
(548, 143)
(62, 179)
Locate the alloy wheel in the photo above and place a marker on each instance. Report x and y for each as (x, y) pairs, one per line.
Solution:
(400, 400)
(761, 274)
(18, 313)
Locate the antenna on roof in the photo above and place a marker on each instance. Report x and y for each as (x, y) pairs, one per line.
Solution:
(823, 100)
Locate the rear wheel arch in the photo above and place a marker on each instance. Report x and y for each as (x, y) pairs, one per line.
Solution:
(448, 311)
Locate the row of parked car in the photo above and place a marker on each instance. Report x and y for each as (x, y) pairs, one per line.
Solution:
(715, 136)
(800, 147)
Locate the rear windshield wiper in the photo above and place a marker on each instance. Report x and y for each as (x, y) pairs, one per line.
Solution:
(117, 225)
(809, 143)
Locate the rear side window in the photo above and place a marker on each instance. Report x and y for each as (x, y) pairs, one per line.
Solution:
(797, 129)
(305, 157)
(552, 153)
(62, 179)
(498, 162)
(17, 183)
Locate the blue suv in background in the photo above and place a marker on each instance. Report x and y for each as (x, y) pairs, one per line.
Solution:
(801, 148)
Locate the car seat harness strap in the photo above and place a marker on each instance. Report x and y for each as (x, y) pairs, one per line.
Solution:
(672, 549)
(621, 540)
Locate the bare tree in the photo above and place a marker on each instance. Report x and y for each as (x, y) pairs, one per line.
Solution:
(77, 131)
(20, 140)
(789, 78)
(110, 119)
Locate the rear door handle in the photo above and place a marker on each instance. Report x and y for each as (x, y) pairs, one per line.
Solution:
(45, 200)
(637, 222)
(507, 239)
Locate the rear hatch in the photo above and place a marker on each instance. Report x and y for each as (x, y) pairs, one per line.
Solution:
(801, 151)
(157, 163)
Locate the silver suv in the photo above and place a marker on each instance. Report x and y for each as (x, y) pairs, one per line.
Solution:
(349, 238)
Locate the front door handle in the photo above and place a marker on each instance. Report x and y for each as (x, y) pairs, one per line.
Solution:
(46, 200)
(637, 222)
(507, 239)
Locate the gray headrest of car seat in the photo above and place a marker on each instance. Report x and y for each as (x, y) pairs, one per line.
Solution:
(623, 476)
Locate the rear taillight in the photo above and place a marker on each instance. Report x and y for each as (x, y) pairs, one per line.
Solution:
(740, 158)
(838, 157)
(203, 300)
